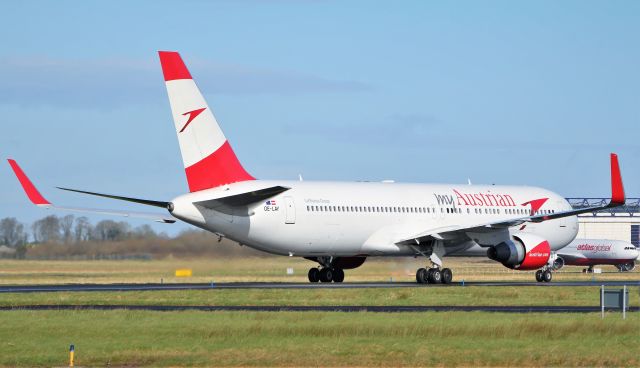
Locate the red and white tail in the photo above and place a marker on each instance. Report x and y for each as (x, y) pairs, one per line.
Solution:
(208, 158)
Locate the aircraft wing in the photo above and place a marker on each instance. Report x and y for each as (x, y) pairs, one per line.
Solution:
(618, 198)
(36, 198)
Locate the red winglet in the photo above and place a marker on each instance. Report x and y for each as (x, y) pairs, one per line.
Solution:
(617, 189)
(172, 66)
(27, 185)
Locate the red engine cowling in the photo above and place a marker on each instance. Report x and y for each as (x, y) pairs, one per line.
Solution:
(523, 252)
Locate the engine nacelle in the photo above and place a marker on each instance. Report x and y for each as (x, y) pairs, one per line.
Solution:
(522, 252)
(627, 267)
(558, 263)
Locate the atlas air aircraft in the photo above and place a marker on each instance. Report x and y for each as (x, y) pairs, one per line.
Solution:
(340, 224)
(593, 252)
(580, 252)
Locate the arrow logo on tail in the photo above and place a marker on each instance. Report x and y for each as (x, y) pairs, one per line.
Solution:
(192, 115)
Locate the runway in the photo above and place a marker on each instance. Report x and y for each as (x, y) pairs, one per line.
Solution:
(331, 308)
(285, 285)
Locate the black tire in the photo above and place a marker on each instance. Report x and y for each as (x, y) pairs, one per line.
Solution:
(447, 276)
(539, 275)
(435, 276)
(326, 275)
(547, 276)
(421, 276)
(338, 275)
(314, 275)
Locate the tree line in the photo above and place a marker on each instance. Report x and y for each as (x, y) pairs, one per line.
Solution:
(69, 229)
(54, 237)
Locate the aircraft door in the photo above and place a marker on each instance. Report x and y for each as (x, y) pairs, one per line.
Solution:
(290, 210)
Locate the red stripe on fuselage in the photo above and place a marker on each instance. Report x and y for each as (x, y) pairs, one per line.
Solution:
(219, 168)
(172, 66)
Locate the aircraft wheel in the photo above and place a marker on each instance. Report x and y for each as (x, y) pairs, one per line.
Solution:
(338, 275)
(435, 276)
(539, 275)
(447, 276)
(326, 275)
(314, 275)
(421, 276)
(547, 276)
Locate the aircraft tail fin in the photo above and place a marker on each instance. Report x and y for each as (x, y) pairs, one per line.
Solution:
(209, 160)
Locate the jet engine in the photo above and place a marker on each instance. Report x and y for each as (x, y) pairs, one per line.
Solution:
(522, 252)
(558, 263)
(627, 267)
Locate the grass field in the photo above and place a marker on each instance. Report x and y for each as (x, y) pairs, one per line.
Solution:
(265, 269)
(298, 339)
(471, 295)
(128, 338)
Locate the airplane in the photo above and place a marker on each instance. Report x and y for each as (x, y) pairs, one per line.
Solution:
(579, 252)
(592, 252)
(339, 224)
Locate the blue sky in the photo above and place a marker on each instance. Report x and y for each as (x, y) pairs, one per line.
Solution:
(505, 92)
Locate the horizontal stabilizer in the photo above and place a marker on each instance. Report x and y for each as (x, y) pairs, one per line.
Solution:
(243, 199)
(36, 198)
(128, 199)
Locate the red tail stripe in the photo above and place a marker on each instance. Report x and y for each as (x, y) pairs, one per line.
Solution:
(27, 185)
(172, 66)
(219, 168)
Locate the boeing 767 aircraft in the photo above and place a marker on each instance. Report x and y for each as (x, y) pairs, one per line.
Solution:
(340, 224)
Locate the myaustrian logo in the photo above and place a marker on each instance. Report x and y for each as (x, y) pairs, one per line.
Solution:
(475, 199)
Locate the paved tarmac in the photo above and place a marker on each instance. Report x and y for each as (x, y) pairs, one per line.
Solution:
(287, 285)
(331, 308)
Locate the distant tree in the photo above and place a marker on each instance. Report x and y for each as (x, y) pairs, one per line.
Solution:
(82, 230)
(66, 226)
(108, 230)
(144, 231)
(21, 251)
(12, 232)
(47, 229)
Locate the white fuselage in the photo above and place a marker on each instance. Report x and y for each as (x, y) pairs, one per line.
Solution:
(591, 252)
(369, 218)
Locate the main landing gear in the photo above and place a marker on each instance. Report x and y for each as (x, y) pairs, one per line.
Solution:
(434, 276)
(326, 274)
(544, 275)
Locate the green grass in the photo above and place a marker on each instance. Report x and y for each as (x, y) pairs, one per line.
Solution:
(468, 295)
(292, 339)
(134, 338)
(263, 269)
